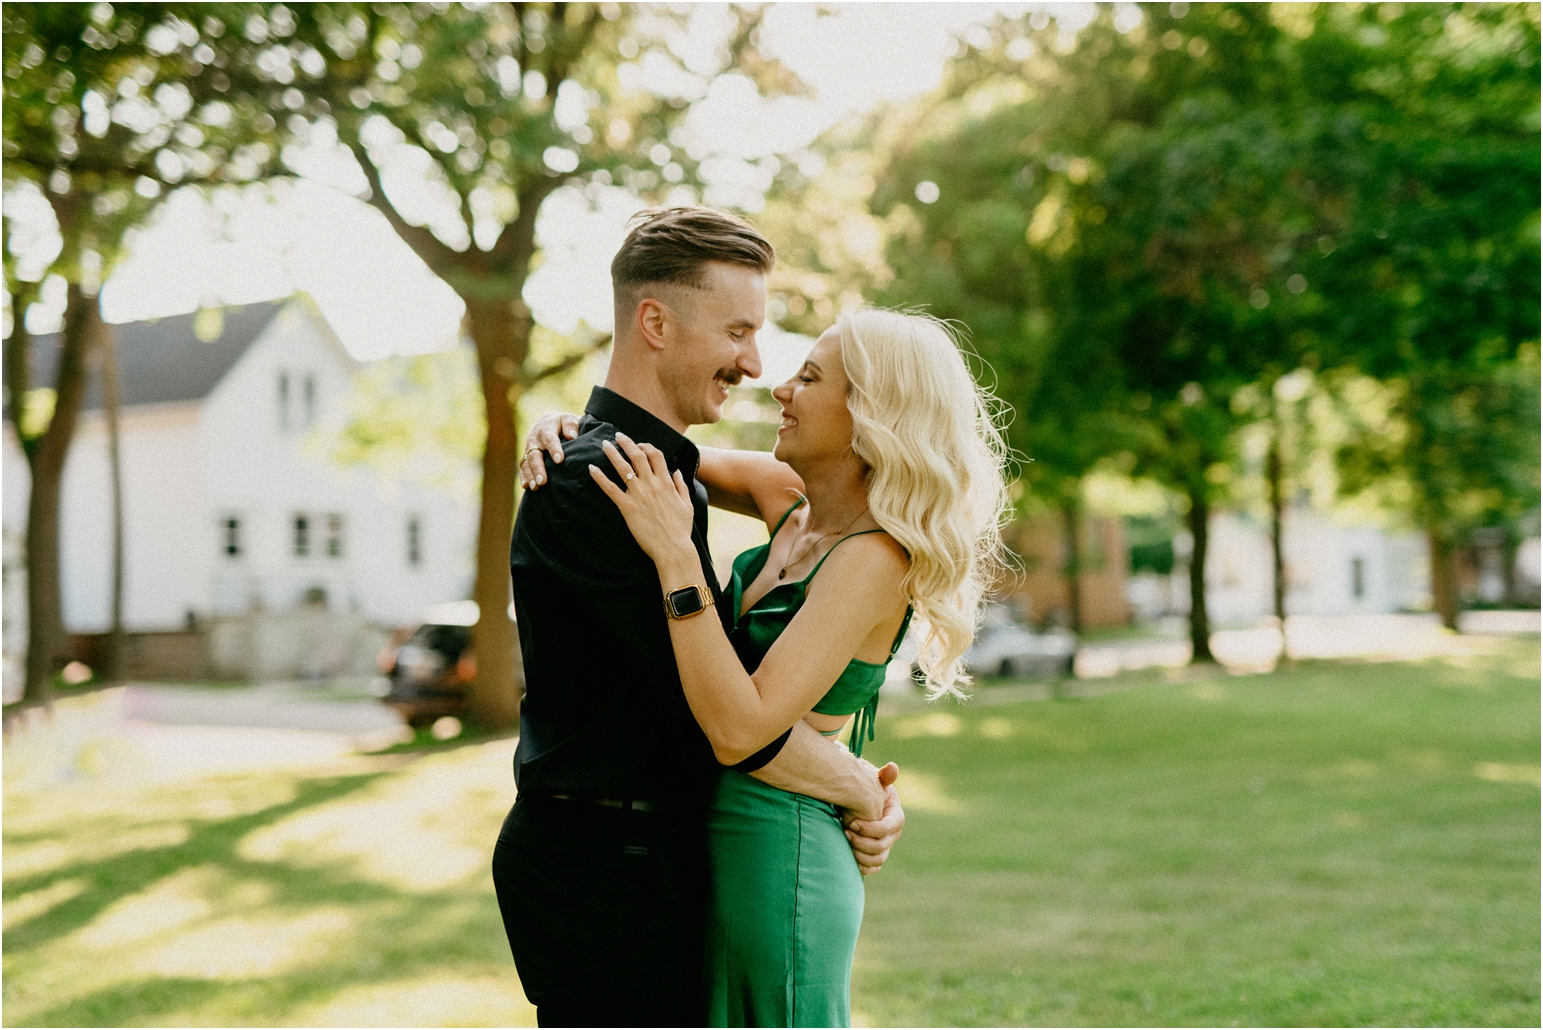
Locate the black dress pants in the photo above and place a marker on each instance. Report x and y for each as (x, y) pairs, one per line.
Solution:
(605, 910)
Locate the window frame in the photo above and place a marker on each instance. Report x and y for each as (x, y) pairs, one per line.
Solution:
(300, 535)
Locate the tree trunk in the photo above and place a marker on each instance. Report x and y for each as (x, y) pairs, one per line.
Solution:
(1071, 521)
(500, 329)
(112, 658)
(1508, 548)
(1199, 620)
(1443, 576)
(1275, 472)
(45, 623)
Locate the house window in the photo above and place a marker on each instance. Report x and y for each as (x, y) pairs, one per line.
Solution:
(302, 537)
(308, 401)
(414, 540)
(334, 536)
(1357, 578)
(230, 531)
(283, 402)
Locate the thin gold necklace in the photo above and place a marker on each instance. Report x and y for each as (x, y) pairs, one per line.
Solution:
(783, 573)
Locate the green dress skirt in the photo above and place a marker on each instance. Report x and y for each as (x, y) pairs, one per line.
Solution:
(787, 893)
(787, 905)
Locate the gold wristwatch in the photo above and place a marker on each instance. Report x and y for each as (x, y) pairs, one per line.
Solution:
(687, 601)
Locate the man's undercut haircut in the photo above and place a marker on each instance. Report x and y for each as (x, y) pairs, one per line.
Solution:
(674, 246)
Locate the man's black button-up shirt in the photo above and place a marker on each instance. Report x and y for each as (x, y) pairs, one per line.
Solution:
(604, 714)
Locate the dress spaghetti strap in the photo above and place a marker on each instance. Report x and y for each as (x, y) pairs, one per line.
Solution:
(784, 518)
(833, 547)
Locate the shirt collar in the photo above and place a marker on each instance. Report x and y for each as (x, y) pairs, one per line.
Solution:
(642, 426)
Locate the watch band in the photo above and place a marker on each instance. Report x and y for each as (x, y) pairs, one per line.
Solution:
(688, 601)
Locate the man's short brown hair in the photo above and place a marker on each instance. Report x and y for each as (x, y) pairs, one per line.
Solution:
(674, 246)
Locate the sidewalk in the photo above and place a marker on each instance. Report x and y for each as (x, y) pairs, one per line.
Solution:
(156, 733)
(1401, 637)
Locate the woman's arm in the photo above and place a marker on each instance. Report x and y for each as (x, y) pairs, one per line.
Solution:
(749, 482)
(752, 483)
(741, 713)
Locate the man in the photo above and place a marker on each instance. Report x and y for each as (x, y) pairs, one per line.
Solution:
(601, 866)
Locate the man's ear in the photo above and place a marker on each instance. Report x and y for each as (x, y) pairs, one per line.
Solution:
(653, 321)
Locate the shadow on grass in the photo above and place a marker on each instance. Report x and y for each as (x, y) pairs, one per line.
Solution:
(384, 935)
(107, 1007)
(124, 874)
(424, 741)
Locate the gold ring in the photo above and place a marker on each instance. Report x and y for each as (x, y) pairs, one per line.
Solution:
(629, 477)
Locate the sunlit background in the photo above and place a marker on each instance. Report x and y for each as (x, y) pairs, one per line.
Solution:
(1253, 736)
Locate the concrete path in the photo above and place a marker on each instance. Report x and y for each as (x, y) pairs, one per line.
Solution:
(154, 732)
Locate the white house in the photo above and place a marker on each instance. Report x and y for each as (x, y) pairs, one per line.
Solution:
(233, 512)
(1332, 568)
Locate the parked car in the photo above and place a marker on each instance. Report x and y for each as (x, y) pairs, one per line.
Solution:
(429, 672)
(1005, 647)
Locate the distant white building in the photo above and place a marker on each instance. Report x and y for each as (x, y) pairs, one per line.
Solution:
(1332, 568)
(231, 509)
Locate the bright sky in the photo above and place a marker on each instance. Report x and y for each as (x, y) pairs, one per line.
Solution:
(380, 298)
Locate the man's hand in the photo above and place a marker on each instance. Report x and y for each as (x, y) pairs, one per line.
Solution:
(547, 436)
(871, 839)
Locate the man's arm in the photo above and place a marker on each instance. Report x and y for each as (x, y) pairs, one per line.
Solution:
(818, 767)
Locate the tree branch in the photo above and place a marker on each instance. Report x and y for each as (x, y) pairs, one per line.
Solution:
(516, 244)
(522, 53)
(529, 379)
(440, 258)
(572, 49)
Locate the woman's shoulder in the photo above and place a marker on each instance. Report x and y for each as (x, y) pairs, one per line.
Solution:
(869, 553)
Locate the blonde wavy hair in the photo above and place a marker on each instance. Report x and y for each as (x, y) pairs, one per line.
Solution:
(930, 437)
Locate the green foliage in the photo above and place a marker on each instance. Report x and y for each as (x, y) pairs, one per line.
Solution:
(105, 107)
(1151, 544)
(1148, 229)
(1459, 449)
(419, 415)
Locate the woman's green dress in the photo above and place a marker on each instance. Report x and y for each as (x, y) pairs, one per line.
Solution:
(787, 895)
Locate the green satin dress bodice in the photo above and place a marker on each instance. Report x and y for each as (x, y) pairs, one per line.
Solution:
(857, 688)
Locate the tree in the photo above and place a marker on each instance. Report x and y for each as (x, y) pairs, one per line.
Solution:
(1433, 278)
(1114, 224)
(491, 108)
(105, 108)
(1209, 198)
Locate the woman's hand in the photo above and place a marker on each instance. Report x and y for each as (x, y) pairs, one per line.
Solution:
(546, 435)
(656, 505)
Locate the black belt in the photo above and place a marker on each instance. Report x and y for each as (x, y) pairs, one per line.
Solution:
(628, 804)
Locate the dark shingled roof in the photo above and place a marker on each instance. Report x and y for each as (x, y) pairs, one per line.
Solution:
(163, 360)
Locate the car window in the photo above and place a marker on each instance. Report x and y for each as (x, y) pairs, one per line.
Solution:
(447, 640)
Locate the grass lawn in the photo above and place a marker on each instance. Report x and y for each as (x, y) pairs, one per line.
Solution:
(1338, 844)
(1335, 844)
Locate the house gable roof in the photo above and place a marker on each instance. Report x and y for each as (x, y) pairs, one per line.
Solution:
(163, 361)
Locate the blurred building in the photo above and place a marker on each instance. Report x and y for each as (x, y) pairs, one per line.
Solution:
(1332, 569)
(1040, 592)
(248, 553)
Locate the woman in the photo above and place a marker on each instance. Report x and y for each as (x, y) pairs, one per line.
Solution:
(883, 495)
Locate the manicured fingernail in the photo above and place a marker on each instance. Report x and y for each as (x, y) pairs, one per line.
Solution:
(540, 480)
(624, 437)
(557, 456)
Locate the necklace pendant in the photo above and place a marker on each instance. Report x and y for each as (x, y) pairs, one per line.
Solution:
(783, 573)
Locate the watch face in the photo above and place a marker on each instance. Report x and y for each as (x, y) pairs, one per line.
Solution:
(685, 601)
